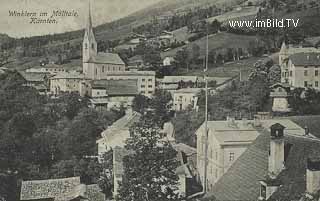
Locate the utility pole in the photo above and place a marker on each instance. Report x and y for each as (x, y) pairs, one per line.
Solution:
(206, 116)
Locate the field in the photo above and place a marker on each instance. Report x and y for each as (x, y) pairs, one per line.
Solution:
(216, 41)
(237, 13)
(229, 69)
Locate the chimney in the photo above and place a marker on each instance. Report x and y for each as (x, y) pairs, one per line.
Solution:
(306, 131)
(276, 153)
(313, 175)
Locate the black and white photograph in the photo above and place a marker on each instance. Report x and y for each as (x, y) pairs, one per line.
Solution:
(159, 100)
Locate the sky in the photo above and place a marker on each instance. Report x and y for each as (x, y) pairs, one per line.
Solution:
(102, 11)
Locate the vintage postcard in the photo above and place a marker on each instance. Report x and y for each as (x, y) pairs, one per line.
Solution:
(159, 100)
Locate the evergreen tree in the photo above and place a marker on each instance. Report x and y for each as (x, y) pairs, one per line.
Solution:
(149, 169)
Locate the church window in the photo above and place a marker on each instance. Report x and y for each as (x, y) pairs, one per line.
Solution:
(85, 46)
(103, 69)
(96, 71)
(92, 45)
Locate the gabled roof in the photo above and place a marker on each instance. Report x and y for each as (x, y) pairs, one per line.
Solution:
(305, 59)
(311, 122)
(117, 87)
(106, 58)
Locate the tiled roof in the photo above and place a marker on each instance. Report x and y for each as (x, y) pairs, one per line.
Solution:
(34, 77)
(241, 182)
(60, 190)
(43, 189)
(312, 122)
(107, 58)
(305, 59)
(117, 87)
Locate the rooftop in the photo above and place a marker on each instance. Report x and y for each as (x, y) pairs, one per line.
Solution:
(107, 58)
(51, 188)
(306, 59)
(68, 75)
(34, 77)
(117, 87)
(132, 73)
(189, 90)
(176, 79)
(241, 182)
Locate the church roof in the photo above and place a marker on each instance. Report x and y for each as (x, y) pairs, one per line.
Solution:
(106, 58)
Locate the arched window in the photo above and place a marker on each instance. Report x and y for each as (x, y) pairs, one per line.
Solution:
(92, 45)
(86, 46)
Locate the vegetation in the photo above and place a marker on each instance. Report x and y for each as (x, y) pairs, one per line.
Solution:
(149, 169)
(44, 138)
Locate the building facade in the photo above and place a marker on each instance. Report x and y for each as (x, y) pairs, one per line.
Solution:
(299, 65)
(227, 140)
(65, 82)
(185, 98)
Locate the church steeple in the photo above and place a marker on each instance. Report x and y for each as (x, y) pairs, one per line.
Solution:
(89, 42)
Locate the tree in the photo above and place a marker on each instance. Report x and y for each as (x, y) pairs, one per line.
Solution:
(21, 125)
(149, 169)
(161, 105)
(140, 103)
(274, 75)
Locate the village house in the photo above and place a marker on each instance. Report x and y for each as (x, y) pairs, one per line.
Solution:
(299, 65)
(109, 93)
(303, 70)
(65, 189)
(282, 163)
(65, 82)
(185, 98)
(39, 81)
(227, 140)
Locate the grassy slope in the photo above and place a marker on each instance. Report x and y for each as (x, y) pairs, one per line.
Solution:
(216, 41)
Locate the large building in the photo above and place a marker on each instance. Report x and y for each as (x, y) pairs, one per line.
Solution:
(227, 140)
(185, 98)
(66, 82)
(282, 163)
(299, 66)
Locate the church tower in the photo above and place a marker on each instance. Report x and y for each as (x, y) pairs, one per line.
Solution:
(89, 45)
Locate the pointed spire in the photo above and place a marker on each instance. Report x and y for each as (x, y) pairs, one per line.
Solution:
(89, 26)
(283, 46)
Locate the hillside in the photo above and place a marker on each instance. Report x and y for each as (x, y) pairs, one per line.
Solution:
(216, 41)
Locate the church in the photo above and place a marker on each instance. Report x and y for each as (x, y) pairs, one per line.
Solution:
(104, 67)
(96, 65)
